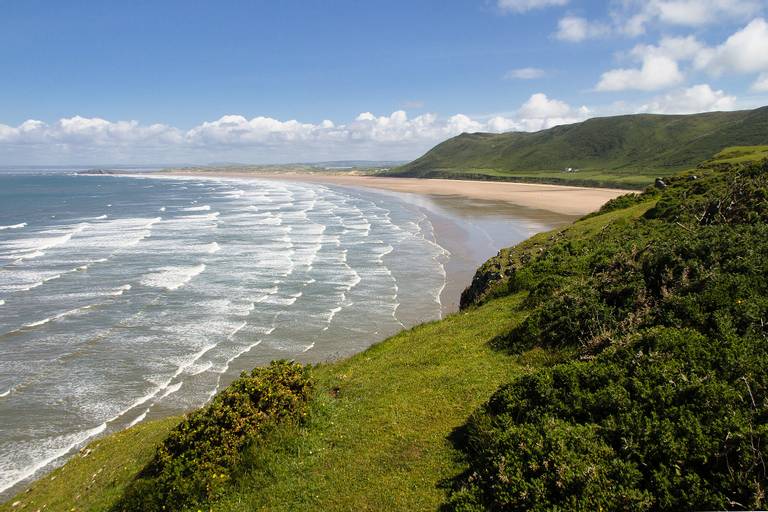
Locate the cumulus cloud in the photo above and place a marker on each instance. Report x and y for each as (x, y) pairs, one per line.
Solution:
(540, 106)
(656, 72)
(524, 74)
(632, 17)
(528, 5)
(575, 29)
(677, 48)
(263, 139)
(746, 51)
(540, 112)
(93, 131)
(698, 98)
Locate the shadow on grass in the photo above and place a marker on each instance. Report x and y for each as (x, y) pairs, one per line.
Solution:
(459, 439)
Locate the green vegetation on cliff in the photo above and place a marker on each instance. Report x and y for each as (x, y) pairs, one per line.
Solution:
(623, 151)
(665, 401)
(616, 364)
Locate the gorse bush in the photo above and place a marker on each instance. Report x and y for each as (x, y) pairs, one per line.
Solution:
(197, 460)
(665, 423)
(665, 406)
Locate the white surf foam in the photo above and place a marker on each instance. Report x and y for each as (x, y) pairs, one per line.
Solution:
(197, 369)
(171, 389)
(332, 313)
(237, 330)
(138, 418)
(14, 226)
(208, 216)
(59, 316)
(204, 208)
(29, 256)
(280, 301)
(29, 248)
(212, 248)
(11, 478)
(119, 291)
(172, 278)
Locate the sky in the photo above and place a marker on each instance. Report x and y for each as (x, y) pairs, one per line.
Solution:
(192, 81)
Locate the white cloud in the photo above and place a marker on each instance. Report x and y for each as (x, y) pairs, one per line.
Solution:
(500, 124)
(262, 139)
(656, 72)
(540, 112)
(540, 106)
(702, 12)
(528, 5)
(524, 74)
(575, 29)
(698, 98)
(761, 84)
(746, 51)
(632, 17)
(91, 131)
(677, 48)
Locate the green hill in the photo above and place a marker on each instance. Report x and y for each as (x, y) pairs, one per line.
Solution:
(623, 151)
(618, 363)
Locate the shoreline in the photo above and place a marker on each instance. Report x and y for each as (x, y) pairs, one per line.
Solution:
(471, 224)
(560, 199)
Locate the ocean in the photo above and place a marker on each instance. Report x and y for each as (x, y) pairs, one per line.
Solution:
(124, 298)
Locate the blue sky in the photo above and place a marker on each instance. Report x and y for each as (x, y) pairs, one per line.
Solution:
(257, 81)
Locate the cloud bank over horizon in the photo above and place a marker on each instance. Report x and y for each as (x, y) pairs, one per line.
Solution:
(83, 140)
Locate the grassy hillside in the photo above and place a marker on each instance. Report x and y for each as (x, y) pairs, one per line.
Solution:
(622, 151)
(380, 420)
(616, 364)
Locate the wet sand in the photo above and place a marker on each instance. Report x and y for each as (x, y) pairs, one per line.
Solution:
(474, 230)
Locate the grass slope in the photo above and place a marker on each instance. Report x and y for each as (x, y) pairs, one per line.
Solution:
(377, 438)
(622, 151)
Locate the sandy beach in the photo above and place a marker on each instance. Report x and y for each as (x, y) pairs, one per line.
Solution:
(564, 200)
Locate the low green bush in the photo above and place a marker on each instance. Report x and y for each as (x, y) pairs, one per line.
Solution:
(197, 460)
(665, 406)
(671, 421)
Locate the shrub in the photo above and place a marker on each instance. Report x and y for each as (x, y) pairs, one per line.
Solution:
(671, 421)
(666, 405)
(195, 463)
